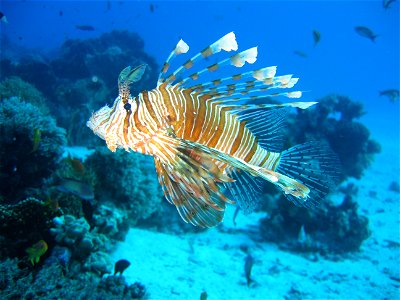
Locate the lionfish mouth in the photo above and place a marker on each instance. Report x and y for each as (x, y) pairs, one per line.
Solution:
(97, 121)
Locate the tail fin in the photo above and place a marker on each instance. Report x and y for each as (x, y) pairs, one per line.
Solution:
(314, 165)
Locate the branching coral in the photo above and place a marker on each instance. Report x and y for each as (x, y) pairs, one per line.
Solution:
(27, 158)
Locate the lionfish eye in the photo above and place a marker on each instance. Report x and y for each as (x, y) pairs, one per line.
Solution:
(127, 106)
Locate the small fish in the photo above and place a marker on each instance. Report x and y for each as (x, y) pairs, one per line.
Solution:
(386, 3)
(108, 5)
(203, 295)
(151, 7)
(235, 215)
(60, 13)
(248, 266)
(366, 32)
(120, 266)
(392, 94)
(302, 237)
(300, 53)
(37, 135)
(3, 17)
(316, 37)
(77, 188)
(52, 203)
(36, 251)
(211, 149)
(84, 27)
(76, 165)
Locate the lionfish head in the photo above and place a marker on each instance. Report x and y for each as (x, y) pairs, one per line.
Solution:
(108, 122)
(104, 121)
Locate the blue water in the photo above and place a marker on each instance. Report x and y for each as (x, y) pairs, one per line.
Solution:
(343, 62)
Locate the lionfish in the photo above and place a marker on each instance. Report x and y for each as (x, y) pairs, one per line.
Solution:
(212, 143)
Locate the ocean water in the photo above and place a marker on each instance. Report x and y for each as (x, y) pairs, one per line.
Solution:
(342, 62)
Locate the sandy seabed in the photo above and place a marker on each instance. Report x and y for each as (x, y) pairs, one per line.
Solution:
(182, 267)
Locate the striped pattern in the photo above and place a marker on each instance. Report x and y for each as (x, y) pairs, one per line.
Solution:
(202, 134)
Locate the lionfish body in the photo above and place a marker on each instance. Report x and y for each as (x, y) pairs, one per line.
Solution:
(209, 147)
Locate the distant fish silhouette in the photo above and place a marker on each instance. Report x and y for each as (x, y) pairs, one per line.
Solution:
(108, 5)
(366, 32)
(248, 266)
(235, 215)
(300, 53)
(3, 17)
(386, 3)
(151, 7)
(203, 295)
(392, 94)
(316, 37)
(84, 27)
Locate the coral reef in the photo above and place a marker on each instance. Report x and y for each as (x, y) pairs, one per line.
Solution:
(23, 224)
(111, 221)
(75, 234)
(61, 244)
(30, 147)
(327, 229)
(33, 69)
(116, 285)
(128, 180)
(52, 281)
(332, 120)
(105, 57)
(82, 249)
(16, 87)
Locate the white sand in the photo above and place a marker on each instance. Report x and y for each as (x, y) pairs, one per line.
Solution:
(171, 269)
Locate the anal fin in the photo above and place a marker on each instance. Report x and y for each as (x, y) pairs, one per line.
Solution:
(246, 189)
